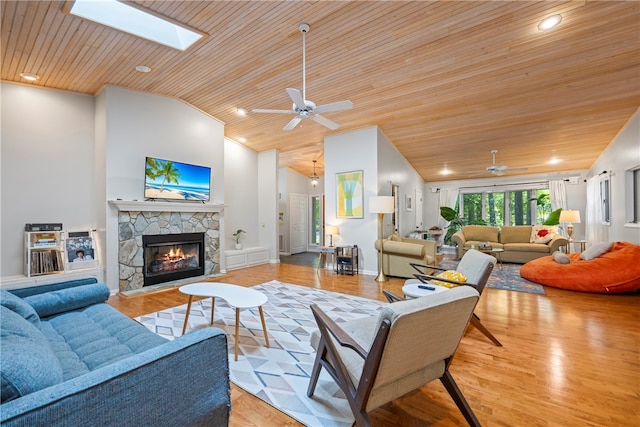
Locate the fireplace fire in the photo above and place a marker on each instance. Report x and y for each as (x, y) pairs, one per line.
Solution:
(172, 256)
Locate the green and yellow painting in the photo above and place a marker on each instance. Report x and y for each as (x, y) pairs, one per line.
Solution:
(350, 195)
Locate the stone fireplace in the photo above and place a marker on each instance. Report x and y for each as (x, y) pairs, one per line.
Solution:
(163, 231)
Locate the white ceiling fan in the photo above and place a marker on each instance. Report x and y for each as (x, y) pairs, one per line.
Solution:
(498, 170)
(304, 108)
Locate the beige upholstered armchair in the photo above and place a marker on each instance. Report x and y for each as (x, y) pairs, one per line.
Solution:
(400, 252)
(410, 343)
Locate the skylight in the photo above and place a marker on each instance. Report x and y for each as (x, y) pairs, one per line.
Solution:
(132, 20)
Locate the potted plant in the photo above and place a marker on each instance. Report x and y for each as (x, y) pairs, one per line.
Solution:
(455, 222)
(237, 235)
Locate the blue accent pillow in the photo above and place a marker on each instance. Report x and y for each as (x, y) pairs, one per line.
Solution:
(19, 306)
(64, 300)
(28, 363)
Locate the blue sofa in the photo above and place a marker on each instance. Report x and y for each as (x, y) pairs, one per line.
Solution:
(70, 359)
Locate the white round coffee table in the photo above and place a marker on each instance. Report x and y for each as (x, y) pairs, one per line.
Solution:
(237, 296)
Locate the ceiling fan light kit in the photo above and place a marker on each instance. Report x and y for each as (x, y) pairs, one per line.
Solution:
(496, 169)
(302, 107)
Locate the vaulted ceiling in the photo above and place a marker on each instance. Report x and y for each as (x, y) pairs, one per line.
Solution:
(446, 81)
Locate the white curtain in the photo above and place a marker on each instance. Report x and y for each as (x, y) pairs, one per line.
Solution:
(557, 195)
(595, 230)
(447, 197)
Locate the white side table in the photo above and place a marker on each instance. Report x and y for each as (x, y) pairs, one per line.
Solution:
(322, 258)
(237, 296)
(411, 289)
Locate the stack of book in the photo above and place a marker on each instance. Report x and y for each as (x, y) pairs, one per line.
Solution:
(45, 239)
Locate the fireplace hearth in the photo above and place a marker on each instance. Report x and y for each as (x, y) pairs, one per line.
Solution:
(170, 257)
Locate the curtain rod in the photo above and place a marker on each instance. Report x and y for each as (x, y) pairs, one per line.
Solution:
(507, 185)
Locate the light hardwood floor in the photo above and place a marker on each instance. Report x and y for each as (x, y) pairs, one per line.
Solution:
(569, 358)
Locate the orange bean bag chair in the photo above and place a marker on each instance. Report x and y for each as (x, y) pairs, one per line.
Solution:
(615, 271)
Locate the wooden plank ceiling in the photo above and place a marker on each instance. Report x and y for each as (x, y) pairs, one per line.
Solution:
(445, 81)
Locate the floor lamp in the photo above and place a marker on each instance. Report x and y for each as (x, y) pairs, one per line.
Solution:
(381, 205)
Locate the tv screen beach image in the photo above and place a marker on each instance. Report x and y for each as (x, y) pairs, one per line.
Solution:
(165, 179)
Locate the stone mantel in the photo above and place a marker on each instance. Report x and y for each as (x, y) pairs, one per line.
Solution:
(151, 206)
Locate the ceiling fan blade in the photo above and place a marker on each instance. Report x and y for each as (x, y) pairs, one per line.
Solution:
(325, 122)
(334, 106)
(261, 110)
(296, 97)
(292, 123)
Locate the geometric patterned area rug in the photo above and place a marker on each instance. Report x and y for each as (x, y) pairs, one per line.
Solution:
(508, 278)
(279, 375)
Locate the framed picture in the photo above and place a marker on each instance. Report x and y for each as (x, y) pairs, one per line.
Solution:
(350, 194)
(408, 203)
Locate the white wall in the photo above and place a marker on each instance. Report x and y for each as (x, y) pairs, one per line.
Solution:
(47, 165)
(140, 125)
(351, 151)
(241, 199)
(622, 154)
(394, 168)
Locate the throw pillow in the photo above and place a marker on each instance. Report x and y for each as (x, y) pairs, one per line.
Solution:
(542, 233)
(19, 306)
(28, 363)
(395, 237)
(560, 258)
(450, 275)
(596, 250)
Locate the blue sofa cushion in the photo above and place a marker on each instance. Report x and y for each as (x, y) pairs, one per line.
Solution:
(19, 306)
(40, 289)
(96, 336)
(60, 301)
(28, 363)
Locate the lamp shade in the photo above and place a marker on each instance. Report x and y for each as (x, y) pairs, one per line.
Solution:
(332, 229)
(381, 204)
(572, 217)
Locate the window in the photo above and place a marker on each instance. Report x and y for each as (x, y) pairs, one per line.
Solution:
(632, 190)
(515, 207)
(604, 199)
(316, 221)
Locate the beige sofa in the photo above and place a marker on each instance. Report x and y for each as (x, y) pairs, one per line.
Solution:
(400, 252)
(513, 239)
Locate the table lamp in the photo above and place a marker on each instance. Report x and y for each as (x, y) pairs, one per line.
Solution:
(570, 217)
(331, 230)
(381, 205)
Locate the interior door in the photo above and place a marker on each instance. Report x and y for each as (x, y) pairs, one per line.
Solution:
(298, 214)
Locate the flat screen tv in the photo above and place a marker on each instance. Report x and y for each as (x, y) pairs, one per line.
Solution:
(169, 180)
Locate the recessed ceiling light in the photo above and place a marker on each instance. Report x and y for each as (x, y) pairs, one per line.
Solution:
(143, 68)
(445, 171)
(243, 140)
(549, 22)
(241, 111)
(30, 77)
(136, 20)
(554, 161)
